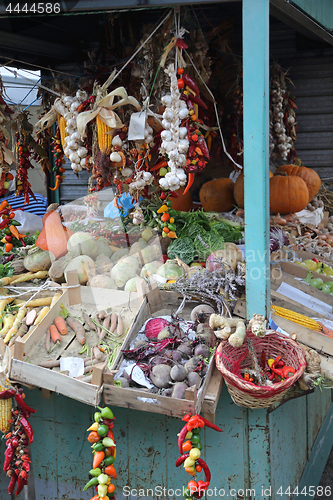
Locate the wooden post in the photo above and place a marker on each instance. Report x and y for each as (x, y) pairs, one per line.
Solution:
(256, 154)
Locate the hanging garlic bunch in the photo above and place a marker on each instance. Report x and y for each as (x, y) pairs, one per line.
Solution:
(279, 139)
(67, 106)
(141, 180)
(174, 142)
(137, 215)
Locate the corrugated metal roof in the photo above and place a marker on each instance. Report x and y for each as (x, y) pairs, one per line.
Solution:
(321, 10)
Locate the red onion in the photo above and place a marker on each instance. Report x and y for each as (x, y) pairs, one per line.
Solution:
(154, 326)
(212, 263)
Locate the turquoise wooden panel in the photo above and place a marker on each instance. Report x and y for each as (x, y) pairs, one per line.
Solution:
(321, 10)
(318, 405)
(256, 154)
(288, 445)
(259, 466)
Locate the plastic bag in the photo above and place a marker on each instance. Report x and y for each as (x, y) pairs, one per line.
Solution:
(307, 217)
(124, 201)
(30, 223)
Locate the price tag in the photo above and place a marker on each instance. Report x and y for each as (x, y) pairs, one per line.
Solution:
(136, 129)
(74, 366)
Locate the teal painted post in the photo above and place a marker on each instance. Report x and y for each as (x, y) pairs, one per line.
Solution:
(256, 151)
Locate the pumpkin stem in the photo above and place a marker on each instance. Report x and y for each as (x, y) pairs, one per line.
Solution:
(283, 174)
(298, 162)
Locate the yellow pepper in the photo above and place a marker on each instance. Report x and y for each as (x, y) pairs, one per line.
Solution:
(162, 209)
(172, 220)
(93, 427)
(270, 362)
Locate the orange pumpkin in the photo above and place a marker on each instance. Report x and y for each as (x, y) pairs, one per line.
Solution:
(217, 195)
(288, 193)
(54, 236)
(309, 176)
(183, 202)
(239, 189)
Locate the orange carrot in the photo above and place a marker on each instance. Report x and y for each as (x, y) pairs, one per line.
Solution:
(55, 335)
(61, 325)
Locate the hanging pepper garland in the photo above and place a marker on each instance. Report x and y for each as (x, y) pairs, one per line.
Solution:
(189, 445)
(59, 160)
(8, 225)
(104, 449)
(17, 459)
(23, 186)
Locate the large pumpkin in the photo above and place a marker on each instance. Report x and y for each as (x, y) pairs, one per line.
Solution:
(239, 189)
(309, 176)
(217, 195)
(288, 193)
(183, 202)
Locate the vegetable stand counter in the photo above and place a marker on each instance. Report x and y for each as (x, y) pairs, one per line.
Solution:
(257, 449)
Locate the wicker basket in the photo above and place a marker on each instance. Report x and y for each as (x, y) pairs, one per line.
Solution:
(246, 393)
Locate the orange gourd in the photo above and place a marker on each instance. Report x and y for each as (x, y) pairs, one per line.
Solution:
(239, 189)
(54, 236)
(217, 195)
(288, 193)
(309, 176)
(183, 202)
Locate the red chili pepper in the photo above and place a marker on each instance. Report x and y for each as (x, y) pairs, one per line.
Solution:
(181, 438)
(190, 83)
(288, 371)
(278, 371)
(181, 44)
(12, 483)
(21, 482)
(205, 469)
(190, 182)
(196, 99)
(159, 165)
(20, 401)
(210, 425)
(173, 194)
(28, 429)
(316, 261)
(9, 453)
(57, 184)
(203, 146)
(7, 394)
(3, 204)
(180, 460)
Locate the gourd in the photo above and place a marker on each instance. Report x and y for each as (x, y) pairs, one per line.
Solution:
(183, 202)
(288, 193)
(239, 189)
(218, 195)
(54, 236)
(309, 176)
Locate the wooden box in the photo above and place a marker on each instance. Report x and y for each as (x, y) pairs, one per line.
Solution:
(194, 400)
(30, 350)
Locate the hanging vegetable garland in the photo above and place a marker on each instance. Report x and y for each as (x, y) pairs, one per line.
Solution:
(23, 186)
(8, 226)
(189, 444)
(58, 155)
(17, 459)
(104, 449)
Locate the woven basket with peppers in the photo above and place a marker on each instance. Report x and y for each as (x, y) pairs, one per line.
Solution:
(281, 363)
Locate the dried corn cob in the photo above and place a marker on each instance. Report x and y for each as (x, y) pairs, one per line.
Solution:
(5, 413)
(104, 139)
(297, 318)
(62, 126)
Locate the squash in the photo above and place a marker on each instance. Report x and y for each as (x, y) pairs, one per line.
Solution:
(218, 195)
(309, 176)
(54, 236)
(239, 189)
(288, 193)
(183, 202)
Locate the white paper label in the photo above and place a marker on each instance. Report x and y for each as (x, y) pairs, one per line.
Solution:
(138, 376)
(136, 129)
(74, 366)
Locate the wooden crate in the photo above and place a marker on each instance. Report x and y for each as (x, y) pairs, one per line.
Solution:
(194, 400)
(30, 350)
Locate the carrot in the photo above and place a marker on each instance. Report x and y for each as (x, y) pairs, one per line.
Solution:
(113, 322)
(55, 335)
(50, 363)
(78, 328)
(48, 340)
(61, 325)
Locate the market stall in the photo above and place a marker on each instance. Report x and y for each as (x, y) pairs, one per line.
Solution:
(181, 306)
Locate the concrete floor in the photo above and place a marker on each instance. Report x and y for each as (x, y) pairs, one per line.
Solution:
(326, 481)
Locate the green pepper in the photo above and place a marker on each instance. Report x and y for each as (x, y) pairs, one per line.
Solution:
(102, 489)
(189, 435)
(173, 213)
(108, 461)
(106, 413)
(95, 472)
(102, 430)
(199, 446)
(195, 439)
(103, 478)
(107, 442)
(197, 430)
(172, 227)
(98, 446)
(93, 482)
(97, 416)
(15, 223)
(168, 203)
